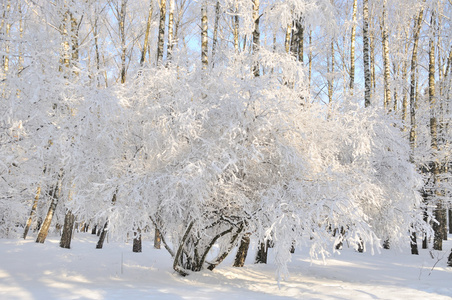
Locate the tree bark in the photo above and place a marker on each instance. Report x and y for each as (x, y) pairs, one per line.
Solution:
(122, 36)
(170, 30)
(242, 252)
(204, 44)
(161, 36)
(235, 29)
(55, 195)
(157, 239)
(417, 29)
(32, 213)
(146, 35)
(385, 45)
(439, 211)
(256, 37)
(287, 40)
(103, 234)
(215, 30)
(331, 73)
(137, 242)
(261, 255)
(66, 237)
(366, 54)
(352, 46)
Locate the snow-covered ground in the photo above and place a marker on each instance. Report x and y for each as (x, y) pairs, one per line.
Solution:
(45, 271)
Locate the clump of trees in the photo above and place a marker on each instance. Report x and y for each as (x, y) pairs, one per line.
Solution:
(215, 122)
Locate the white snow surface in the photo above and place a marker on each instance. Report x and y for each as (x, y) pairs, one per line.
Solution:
(45, 271)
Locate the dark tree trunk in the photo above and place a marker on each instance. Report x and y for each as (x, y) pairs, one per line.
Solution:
(102, 236)
(425, 239)
(261, 255)
(137, 242)
(240, 257)
(450, 221)
(414, 249)
(232, 244)
(438, 227)
(66, 237)
(94, 230)
(360, 246)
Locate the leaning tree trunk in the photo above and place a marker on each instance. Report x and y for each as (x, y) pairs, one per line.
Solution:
(242, 252)
(103, 234)
(104, 230)
(55, 195)
(66, 237)
(32, 213)
(146, 35)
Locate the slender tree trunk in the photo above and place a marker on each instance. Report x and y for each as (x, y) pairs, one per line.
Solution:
(310, 60)
(235, 30)
(103, 231)
(55, 195)
(242, 252)
(450, 220)
(32, 213)
(161, 36)
(366, 53)
(352, 46)
(7, 34)
(215, 30)
(122, 36)
(331, 74)
(287, 40)
(170, 30)
(146, 34)
(204, 44)
(256, 37)
(372, 61)
(96, 47)
(439, 211)
(417, 29)
(385, 45)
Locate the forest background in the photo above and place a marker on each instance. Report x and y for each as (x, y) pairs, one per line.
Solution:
(299, 124)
